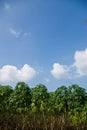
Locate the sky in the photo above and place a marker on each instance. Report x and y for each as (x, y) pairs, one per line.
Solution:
(43, 41)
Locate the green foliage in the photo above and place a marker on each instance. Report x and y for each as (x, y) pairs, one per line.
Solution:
(61, 95)
(51, 103)
(37, 108)
(5, 92)
(39, 98)
(76, 97)
(20, 99)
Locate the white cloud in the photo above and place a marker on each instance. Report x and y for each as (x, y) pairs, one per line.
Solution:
(14, 32)
(81, 62)
(75, 70)
(27, 33)
(6, 6)
(9, 73)
(59, 71)
(47, 80)
(17, 34)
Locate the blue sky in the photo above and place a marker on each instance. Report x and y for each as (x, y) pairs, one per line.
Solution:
(43, 41)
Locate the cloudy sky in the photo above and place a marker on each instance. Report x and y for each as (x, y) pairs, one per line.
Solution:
(43, 41)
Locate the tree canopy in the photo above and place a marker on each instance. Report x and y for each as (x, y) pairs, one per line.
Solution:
(37, 108)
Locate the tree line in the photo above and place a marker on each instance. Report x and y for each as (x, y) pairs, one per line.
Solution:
(25, 108)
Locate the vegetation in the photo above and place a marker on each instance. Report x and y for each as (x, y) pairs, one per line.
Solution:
(25, 108)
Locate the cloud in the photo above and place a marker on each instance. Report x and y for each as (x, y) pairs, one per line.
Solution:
(75, 70)
(47, 80)
(14, 32)
(9, 73)
(27, 33)
(81, 62)
(6, 6)
(59, 71)
(17, 34)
